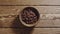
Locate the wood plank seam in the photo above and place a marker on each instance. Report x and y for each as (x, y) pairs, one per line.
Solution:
(29, 5)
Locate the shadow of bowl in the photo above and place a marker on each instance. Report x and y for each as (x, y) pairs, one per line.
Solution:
(18, 28)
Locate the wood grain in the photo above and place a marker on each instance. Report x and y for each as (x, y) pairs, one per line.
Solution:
(30, 31)
(15, 22)
(29, 2)
(41, 9)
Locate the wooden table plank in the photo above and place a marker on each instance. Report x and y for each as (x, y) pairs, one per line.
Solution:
(30, 31)
(29, 2)
(15, 22)
(41, 9)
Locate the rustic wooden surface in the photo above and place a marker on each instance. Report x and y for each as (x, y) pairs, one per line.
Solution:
(29, 2)
(9, 15)
(29, 31)
(9, 20)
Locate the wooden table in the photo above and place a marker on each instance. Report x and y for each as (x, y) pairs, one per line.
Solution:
(10, 24)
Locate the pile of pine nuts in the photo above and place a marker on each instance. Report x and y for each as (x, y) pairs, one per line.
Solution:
(28, 16)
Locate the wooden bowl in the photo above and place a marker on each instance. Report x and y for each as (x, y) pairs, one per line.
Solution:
(29, 16)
